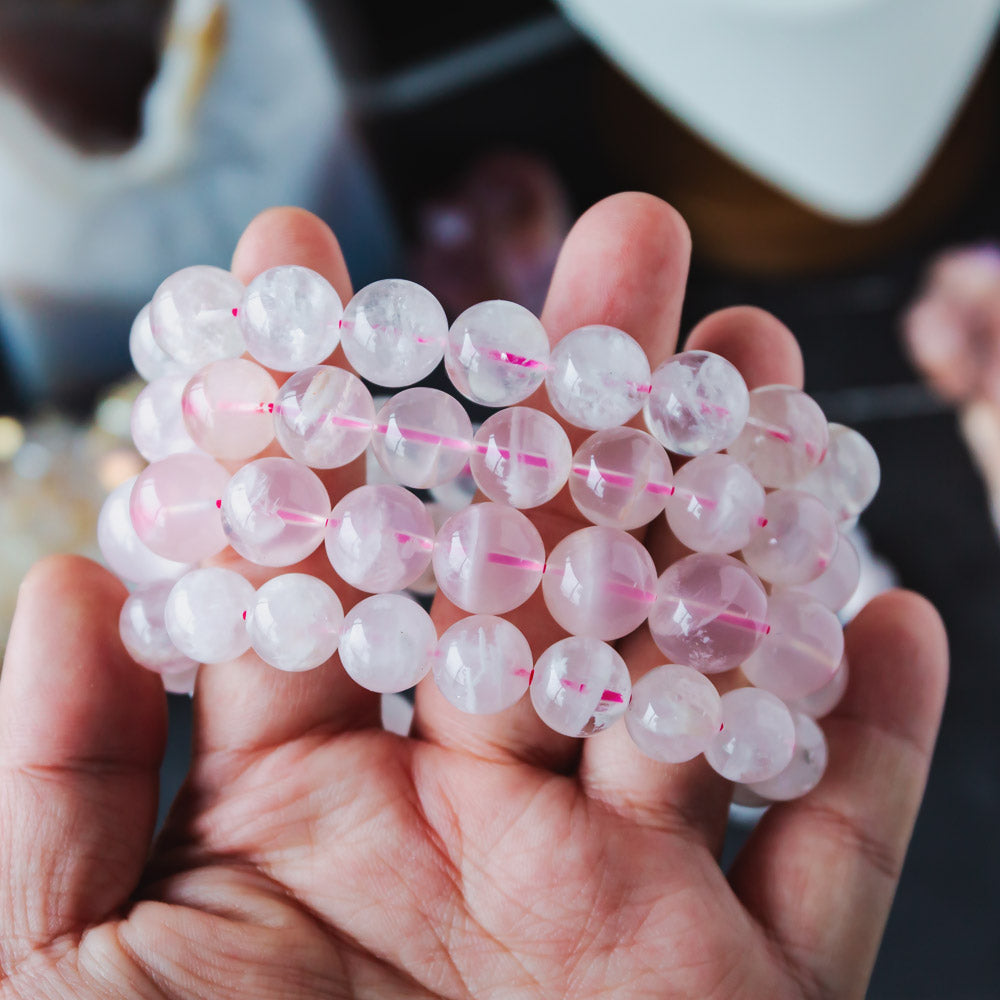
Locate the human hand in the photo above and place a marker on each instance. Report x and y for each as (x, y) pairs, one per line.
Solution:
(311, 854)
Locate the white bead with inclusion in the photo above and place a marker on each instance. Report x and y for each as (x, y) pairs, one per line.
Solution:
(482, 664)
(697, 403)
(394, 332)
(757, 738)
(848, 477)
(205, 612)
(804, 770)
(294, 622)
(580, 686)
(497, 353)
(290, 318)
(598, 377)
(143, 631)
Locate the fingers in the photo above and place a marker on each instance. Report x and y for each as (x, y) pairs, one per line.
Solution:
(82, 732)
(623, 264)
(247, 705)
(686, 797)
(819, 873)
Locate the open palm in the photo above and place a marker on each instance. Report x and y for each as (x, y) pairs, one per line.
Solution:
(312, 855)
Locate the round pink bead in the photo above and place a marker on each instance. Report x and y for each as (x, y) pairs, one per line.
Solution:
(805, 768)
(157, 421)
(798, 542)
(803, 649)
(716, 506)
(710, 612)
(323, 417)
(620, 478)
(521, 457)
(599, 582)
(674, 713)
(149, 359)
(206, 614)
(422, 437)
(757, 737)
(835, 586)
(827, 698)
(174, 507)
(274, 511)
(488, 559)
(228, 408)
(785, 436)
(482, 664)
(379, 538)
(144, 634)
(848, 478)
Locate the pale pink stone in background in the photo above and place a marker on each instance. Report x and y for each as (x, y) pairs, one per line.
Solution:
(804, 770)
(205, 614)
(757, 737)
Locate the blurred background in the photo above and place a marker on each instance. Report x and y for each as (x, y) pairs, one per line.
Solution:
(837, 161)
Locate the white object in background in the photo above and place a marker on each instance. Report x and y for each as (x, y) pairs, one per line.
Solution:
(840, 103)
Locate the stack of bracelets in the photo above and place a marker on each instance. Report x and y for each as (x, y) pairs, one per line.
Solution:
(767, 478)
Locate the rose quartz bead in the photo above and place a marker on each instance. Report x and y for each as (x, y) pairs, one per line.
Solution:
(205, 614)
(482, 664)
(710, 612)
(580, 686)
(757, 737)
(422, 437)
(488, 559)
(697, 404)
(803, 649)
(193, 316)
(157, 420)
(228, 408)
(143, 630)
(174, 507)
(827, 698)
(148, 358)
(621, 478)
(497, 353)
(835, 586)
(323, 417)
(716, 505)
(124, 552)
(379, 538)
(598, 377)
(848, 478)
(804, 770)
(674, 713)
(274, 511)
(785, 436)
(599, 582)
(521, 457)
(798, 542)
(290, 318)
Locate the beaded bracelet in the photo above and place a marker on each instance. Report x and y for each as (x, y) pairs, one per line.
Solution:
(767, 478)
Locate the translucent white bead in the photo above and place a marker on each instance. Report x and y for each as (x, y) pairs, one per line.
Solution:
(835, 586)
(488, 559)
(827, 698)
(387, 643)
(803, 649)
(274, 511)
(785, 436)
(580, 686)
(497, 354)
(716, 505)
(124, 552)
(143, 630)
(205, 614)
(848, 478)
(294, 622)
(394, 332)
(174, 507)
(698, 403)
(598, 377)
(482, 664)
(228, 408)
(674, 713)
(798, 542)
(521, 457)
(422, 437)
(148, 358)
(599, 582)
(379, 538)
(193, 316)
(710, 612)
(757, 737)
(621, 478)
(290, 318)
(323, 417)
(157, 420)
(804, 770)
(425, 585)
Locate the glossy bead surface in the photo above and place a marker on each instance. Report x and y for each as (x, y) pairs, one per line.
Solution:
(580, 686)
(204, 614)
(697, 404)
(148, 358)
(394, 332)
(848, 478)
(521, 457)
(599, 582)
(157, 420)
(757, 737)
(827, 698)
(836, 585)
(804, 770)
(143, 631)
